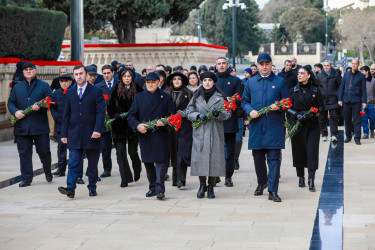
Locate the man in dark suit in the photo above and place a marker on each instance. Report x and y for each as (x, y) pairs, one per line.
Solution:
(82, 126)
(106, 86)
(352, 94)
(57, 111)
(230, 85)
(288, 75)
(155, 151)
(32, 128)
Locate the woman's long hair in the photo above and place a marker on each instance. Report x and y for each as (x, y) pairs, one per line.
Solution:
(122, 90)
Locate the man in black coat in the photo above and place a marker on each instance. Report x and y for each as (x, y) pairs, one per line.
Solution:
(230, 85)
(151, 104)
(329, 83)
(106, 86)
(288, 75)
(57, 111)
(82, 125)
(295, 65)
(34, 127)
(352, 94)
(56, 81)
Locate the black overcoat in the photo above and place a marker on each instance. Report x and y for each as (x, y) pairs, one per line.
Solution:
(305, 143)
(82, 117)
(182, 140)
(117, 105)
(57, 110)
(21, 97)
(147, 107)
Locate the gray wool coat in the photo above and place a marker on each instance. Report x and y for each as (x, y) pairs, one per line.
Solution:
(207, 155)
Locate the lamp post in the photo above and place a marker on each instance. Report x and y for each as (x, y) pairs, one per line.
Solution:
(327, 9)
(341, 22)
(76, 24)
(233, 4)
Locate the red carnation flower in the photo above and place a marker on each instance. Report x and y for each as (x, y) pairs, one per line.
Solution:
(362, 112)
(106, 97)
(64, 91)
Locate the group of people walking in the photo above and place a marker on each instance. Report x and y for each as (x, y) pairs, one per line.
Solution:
(211, 150)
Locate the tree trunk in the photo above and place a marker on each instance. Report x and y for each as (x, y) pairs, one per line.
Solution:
(125, 29)
(370, 53)
(361, 56)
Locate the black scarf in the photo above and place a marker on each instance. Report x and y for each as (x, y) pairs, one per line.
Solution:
(207, 93)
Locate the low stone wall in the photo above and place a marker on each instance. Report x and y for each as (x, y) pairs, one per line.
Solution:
(173, 54)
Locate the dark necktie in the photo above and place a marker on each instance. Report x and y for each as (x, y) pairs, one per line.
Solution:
(110, 85)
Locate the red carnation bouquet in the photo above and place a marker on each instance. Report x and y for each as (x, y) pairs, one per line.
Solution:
(283, 104)
(44, 103)
(226, 105)
(173, 121)
(294, 129)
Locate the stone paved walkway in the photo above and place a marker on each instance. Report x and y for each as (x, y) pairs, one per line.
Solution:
(38, 217)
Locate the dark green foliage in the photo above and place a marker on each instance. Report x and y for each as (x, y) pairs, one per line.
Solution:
(217, 26)
(31, 34)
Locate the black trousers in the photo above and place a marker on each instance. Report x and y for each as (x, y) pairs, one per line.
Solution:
(156, 175)
(334, 116)
(230, 149)
(273, 161)
(181, 169)
(352, 113)
(122, 159)
(106, 149)
(25, 151)
(301, 172)
(61, 153)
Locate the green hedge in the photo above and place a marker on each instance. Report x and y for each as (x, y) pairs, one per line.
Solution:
(32, 34)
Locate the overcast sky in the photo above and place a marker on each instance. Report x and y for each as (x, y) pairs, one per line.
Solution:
(261, 3)
(331, 3)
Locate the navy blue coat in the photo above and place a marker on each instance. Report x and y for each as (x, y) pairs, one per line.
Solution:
(82, 117)
(104, 87)
(98, 79)
(230, 85)
(266, 131)
(357, 92)
(290, 78)
(154, 144)
(35, 123)
(57, 110)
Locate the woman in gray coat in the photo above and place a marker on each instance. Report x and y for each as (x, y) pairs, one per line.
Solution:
(207, 156)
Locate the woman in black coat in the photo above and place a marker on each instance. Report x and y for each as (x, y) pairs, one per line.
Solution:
(122, 97)
(305, 143)
(182, 140)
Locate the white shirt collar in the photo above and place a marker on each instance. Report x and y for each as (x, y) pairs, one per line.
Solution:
(83, 88)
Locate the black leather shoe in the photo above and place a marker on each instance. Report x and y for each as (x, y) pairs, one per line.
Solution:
(357, 141)
(228, 182)
(59, 172)
(66, 191)
(92, 193)
(259, 189)
(49, 177)
(160, 196)
(80, 181)
(274, 197)
(150, 193)
(180, 184)
(24, 184)
(311, 185)
(301, 182)
(236, 165)
(347, 140)
(106, 173)
(123, 184)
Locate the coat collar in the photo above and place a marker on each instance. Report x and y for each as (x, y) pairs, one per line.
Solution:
(270, 77)
(215, 98)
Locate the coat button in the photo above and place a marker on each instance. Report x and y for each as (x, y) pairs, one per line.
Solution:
(80, 114)
(79, 102)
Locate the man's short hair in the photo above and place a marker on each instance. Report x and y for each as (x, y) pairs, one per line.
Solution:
(63, 67)
(326, 61)
(287, 61)
(193, 68)
(211, 68)
(143, 71)
(319, 65)
(80, 66)
(107, 66)
(160, 65)
(365, 68)
(253, 65)
(168, 69)
(222, 58)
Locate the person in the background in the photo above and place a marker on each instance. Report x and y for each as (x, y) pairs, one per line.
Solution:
(163, 84)
(212, 69)
(194, 82)
(274, 68)
(372, 70)
(129, 64)
(33, 128)
(185, 72)
(318, 68)
(202, 69)
(168, 70)
(18, 75)
(267, 132)
(248, 73)
(91, 74)
(369, 116)
(352, 94)
(254, 69)
(99, 77)
(144, 72)
(57, 111)
(193, 68)
(56, 81)
(288, 75)
(295, 65)
(234, 72)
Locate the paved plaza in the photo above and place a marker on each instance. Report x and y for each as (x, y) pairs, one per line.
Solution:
(39, 217)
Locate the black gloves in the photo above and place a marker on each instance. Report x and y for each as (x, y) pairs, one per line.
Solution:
(215, 113)
(117, 116)
(202, 117)
(299, 116)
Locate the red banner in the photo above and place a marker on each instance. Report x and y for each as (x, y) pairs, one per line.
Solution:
(151, 45)
(7, 60)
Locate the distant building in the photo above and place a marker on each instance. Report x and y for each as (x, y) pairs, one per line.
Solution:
(266, 28)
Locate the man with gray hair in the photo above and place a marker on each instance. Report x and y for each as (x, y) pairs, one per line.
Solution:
(329, 83)
(352, 94)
